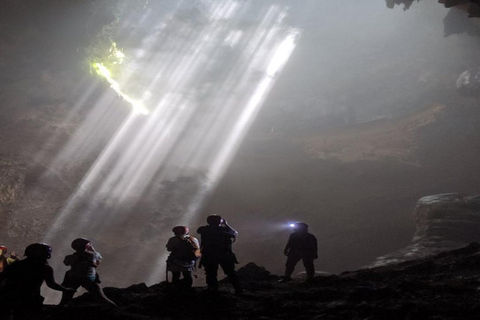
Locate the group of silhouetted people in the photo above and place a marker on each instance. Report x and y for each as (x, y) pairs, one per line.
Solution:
(215, 250)
(216, 240)
(21, 280)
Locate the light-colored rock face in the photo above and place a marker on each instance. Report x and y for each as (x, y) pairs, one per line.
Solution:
(469, 82)
(444, 222)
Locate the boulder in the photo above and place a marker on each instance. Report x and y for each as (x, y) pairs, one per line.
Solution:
(469, 82)
(444, 222)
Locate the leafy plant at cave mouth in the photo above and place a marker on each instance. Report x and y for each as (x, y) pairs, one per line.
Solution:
(102, 55)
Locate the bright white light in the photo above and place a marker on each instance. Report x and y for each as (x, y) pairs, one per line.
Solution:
(233, 38)
(182, 133)
(282, 54)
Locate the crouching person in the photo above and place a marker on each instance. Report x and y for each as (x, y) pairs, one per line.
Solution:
(184, 252)
(83, 264)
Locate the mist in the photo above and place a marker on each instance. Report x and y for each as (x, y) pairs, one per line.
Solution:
(339, 114)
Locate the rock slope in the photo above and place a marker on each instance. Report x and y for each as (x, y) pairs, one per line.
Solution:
(445, 286)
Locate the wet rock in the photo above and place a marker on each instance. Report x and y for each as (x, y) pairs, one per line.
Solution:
(251, 272)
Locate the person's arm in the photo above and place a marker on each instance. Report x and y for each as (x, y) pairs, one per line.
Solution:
(315, 247)
(50, 280)
(286, 251)
(97, 258)
(170, 245)
(231, 231)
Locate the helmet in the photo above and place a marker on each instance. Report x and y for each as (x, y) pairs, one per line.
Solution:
(38, 251)
(300, 226)
(214, 220)
(4, 249)
(180, 230)
(79, 244)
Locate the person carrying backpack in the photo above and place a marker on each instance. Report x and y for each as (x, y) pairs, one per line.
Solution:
(301, 245)
(216, 246)
(83, 264)
(184, 252)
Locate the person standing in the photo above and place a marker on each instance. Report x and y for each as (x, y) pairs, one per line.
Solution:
(216, 241)
(301, 245)
(184, 252)
(83, 264)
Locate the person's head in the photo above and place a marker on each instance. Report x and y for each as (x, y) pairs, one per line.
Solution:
(3, 250)
(214, 220)
(80, 244)
(300, 227)
(38, 251)
(180, 230)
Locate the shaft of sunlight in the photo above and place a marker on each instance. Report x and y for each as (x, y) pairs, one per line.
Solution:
(206, 82)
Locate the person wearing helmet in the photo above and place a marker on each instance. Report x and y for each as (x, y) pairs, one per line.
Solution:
(20, 293)
(83, 264)
(184, 252)
(301, 245)
(3, 258)
(216, 246)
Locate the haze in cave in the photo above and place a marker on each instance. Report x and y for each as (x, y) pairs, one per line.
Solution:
(122, 119)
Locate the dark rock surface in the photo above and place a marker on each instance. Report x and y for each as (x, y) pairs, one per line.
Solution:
(445, 286)
(444, 222)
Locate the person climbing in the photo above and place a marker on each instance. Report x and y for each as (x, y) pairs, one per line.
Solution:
(83, 264)
(20, 292)
(301, 245)
(184, 252)
(216, 247)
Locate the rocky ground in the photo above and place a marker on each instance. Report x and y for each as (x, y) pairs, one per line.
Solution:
(445, 286)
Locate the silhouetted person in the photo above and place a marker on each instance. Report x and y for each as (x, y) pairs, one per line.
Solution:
(20, 292)
(301, 245)
(3, 258)
(184, 251)
(216, 247)
(83, 264)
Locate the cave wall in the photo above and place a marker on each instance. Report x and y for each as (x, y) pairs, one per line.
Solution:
(355, 195)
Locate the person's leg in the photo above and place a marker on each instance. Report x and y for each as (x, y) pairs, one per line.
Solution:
(175, 276)
(67, 296)
(187, 278)
(310, 268)
(229, 270)
(211, 270)
(96, 289)
(292, 261)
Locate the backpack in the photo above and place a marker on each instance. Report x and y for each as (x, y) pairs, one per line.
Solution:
(3, 263)
(190, 250)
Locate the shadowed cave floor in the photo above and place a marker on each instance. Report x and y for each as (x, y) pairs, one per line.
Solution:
(445, 286)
